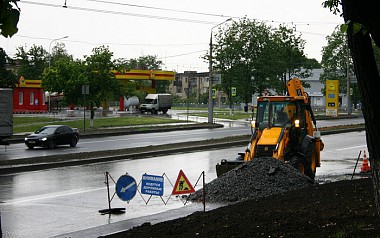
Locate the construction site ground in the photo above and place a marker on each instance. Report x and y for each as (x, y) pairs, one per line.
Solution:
(338, 209)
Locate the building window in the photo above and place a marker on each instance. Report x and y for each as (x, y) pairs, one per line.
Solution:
(31, 98)
(20, 98)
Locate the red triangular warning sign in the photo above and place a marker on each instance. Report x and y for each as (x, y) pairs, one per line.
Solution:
(182, 185)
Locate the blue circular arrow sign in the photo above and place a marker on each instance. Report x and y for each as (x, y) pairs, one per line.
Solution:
(126, 187)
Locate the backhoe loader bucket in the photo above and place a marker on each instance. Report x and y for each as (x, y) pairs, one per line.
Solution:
(226, 166)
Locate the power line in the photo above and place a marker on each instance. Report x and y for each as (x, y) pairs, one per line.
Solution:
(161, 9)
(123, 13)
(166, 9)
(194, 52)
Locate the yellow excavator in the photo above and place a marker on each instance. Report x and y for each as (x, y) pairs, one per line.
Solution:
(284, 130)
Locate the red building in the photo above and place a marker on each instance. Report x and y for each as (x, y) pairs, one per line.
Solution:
(29, 97)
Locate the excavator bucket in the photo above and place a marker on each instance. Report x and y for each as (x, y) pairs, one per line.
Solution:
(226, 166)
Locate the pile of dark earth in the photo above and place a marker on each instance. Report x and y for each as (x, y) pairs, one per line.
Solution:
(259, 178)
(268, 198)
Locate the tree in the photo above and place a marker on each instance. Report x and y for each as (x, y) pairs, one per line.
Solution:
(290, 58)
(240, 56)
(254, 57)
(33, 62)
(9, 17)
(58, 52)
(334, 62)
(363, 29)
(98, 74)
(148, 62)
(7, 78)
(66, 76)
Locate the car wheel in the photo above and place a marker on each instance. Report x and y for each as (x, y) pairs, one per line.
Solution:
(73, 142)
(50, 144)
(30, 147)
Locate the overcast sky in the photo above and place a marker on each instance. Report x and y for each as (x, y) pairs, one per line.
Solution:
(177, 32)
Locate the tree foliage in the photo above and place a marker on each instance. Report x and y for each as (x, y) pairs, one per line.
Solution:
(334, 59)
(32, 62)
(98, 73)
(254, 56)
(9, 17)
(7, 78)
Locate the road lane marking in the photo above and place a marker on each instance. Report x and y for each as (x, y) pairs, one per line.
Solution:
(352, 147)
(48, 196)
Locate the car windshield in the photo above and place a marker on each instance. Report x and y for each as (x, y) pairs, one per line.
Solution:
(278, 114)
(149, 101)
(46, 130)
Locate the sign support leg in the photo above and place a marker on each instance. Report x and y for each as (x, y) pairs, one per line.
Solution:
(110, 210)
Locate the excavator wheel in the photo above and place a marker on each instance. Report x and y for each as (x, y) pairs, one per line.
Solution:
(299, 163)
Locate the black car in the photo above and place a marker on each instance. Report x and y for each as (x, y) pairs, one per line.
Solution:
(51, 136)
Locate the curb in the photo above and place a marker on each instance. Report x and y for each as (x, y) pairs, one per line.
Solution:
(184, 147)
(118, 132)
(144, 154)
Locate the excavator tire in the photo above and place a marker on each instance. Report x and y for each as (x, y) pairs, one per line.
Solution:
(300, 164)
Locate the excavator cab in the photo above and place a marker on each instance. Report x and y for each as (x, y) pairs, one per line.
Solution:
(283, 129)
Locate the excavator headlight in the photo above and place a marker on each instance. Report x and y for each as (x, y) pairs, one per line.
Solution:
(297, 123)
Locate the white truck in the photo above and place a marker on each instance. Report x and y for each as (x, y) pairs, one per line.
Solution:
(155, 103)
(6, 115)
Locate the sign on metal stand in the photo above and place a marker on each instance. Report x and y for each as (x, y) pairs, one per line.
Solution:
(152, 185)
(110, 210)
(126, 187)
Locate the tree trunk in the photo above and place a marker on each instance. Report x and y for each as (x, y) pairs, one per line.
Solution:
(365, 12)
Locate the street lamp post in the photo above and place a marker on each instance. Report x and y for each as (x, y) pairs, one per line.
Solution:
(210, 101)
(52, 43)
(50, 59)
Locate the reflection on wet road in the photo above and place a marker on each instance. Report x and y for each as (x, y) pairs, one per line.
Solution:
(57, 201)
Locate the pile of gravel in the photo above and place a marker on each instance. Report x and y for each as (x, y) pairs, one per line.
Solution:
(256, 179)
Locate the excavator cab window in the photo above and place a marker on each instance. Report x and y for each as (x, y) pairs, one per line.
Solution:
(275, 114)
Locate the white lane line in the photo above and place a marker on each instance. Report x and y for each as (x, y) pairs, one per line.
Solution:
(352, 147)
(48, 196)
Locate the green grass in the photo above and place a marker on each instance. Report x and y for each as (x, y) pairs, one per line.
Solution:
(30, 124)
(225, 115)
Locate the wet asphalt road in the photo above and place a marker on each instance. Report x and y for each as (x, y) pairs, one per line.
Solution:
(59, 201)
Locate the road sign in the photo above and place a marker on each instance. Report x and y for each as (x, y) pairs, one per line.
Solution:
(85, 89)
(182, 185)
(233, 91)
(126, 187)
(152, 185)
(332, 97)
(213, 93)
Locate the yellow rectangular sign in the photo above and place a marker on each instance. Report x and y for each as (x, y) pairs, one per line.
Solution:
(332, 97)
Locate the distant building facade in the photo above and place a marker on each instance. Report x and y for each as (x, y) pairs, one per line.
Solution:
(29, 97)
(192, 82)
(198, 84)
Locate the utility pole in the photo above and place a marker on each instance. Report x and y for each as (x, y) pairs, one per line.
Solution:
(349, 108)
